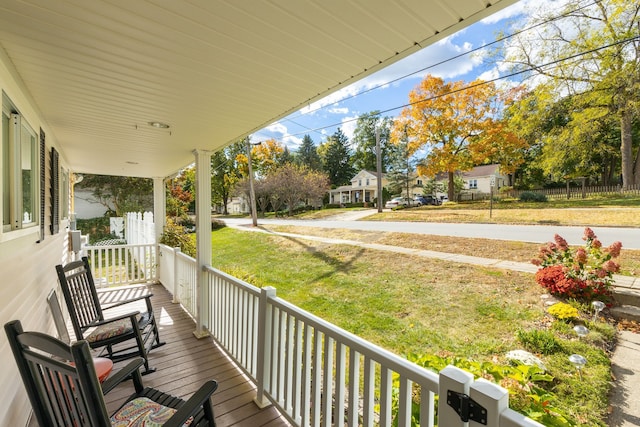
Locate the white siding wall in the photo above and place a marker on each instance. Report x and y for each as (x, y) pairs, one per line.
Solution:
(27, 269)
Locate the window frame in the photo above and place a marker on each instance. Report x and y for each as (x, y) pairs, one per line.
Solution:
(19, 133)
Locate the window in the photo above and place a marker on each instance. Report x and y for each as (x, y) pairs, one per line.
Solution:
(418, 181)
(359, 183)
(20, 195)
(473, 184)
(367, 181)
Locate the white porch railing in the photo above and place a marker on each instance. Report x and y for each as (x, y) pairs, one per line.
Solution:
(320, 375)
(122, 264)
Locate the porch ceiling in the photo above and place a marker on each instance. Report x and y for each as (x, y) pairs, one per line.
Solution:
(214, 70)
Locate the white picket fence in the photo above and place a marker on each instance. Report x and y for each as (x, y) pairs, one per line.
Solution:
(132, 263)
(317, 374)
(139, 228)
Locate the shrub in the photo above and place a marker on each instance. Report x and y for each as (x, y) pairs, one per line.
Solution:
(217, 224)
(175, 235)
(539, 341)
(562, 311)
(583, 273)
(96, 228)
(532, 196)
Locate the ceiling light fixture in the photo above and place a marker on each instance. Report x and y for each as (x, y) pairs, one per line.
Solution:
(159, 125)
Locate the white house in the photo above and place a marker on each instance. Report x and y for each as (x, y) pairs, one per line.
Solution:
(480, 179)
(363, 188)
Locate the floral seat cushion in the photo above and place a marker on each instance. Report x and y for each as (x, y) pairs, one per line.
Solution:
(143, 412)
(109, 330)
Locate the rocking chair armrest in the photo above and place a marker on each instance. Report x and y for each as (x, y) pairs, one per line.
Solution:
(130, 370)
(193, 404)
(131, 315)
(120, 303)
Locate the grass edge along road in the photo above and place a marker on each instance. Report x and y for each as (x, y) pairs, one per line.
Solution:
(417, 306)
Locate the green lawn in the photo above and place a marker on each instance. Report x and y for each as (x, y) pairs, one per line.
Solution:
(420, 306)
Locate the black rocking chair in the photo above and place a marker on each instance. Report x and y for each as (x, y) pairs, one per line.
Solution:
(115, 333)
(63, 387)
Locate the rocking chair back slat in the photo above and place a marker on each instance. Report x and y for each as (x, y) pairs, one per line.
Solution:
(80, 291)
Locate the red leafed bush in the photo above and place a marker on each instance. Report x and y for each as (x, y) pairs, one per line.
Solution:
(583, 273)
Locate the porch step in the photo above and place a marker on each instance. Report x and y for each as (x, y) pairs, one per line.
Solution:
(626, 312)
(627, 297)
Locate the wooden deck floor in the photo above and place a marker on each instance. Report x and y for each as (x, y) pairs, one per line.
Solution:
(185, 362)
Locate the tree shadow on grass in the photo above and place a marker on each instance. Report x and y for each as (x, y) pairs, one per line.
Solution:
(338, 265)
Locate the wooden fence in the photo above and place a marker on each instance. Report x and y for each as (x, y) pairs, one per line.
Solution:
(571, 192)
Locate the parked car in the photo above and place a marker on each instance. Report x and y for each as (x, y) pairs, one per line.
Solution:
(427, 200)
(400, 201)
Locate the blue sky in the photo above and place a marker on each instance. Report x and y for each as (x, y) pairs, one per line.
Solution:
(322, 118)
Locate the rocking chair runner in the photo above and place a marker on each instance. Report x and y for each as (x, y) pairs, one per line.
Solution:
(90, 324)
(63, 388)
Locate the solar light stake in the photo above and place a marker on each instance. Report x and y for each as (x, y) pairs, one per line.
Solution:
(597, 306)
(579, 362)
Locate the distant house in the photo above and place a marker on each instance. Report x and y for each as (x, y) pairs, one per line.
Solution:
(478, 179)
(363, 188)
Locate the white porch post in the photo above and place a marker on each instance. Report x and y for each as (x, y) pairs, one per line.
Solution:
(203, 236)
(159, 207)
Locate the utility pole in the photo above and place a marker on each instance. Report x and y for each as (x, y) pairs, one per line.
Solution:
(252, 193)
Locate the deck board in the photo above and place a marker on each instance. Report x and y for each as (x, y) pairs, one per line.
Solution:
(185, 362)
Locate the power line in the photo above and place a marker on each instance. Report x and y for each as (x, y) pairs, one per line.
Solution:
(445, 61)
(478, 84)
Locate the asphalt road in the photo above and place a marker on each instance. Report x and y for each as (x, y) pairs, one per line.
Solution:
(630, 237)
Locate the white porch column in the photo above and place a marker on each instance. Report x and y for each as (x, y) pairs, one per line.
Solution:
(203, 236)
(159, 207)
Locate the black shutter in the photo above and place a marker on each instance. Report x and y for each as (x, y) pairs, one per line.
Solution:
(43, 182)
(55, 193)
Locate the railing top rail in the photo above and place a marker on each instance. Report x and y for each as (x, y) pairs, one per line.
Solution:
(124, 246)
(254, 290)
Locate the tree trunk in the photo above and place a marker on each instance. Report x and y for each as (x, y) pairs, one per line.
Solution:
(626, 152)
(451, 188)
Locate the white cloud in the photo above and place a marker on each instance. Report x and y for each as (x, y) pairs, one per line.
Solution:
(349, 126)
(339, 110)
(277, 127)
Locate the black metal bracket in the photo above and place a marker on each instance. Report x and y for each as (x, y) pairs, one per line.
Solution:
(466, 407)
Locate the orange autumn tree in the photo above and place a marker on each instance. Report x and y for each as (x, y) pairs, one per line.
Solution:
(268, 156)
(458, 126)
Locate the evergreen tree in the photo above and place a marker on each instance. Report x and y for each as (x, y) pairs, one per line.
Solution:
(337, 161)
(286, 157)
(308, 155)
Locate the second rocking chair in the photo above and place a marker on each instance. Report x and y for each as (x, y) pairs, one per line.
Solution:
(125, 336)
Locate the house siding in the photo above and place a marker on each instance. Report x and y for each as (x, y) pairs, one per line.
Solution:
(27, 266)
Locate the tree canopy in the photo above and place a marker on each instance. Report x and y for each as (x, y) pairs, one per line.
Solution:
(457, 126)
(120, 194)
(592, 55)
(364, 140)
